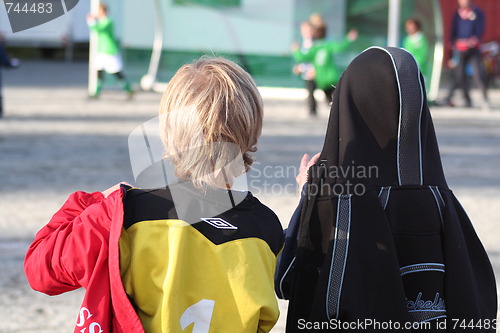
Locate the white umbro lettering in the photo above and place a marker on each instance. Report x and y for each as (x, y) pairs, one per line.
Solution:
(218, 223)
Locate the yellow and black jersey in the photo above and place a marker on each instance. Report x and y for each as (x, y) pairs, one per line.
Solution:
(210, 274)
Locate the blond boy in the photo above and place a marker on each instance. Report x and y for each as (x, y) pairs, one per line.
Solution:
(144, 268)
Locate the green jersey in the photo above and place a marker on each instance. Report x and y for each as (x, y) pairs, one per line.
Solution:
(106, 42)
(321, 55)
(418, 46)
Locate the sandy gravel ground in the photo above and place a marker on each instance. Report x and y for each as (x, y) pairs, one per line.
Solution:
(53, 141)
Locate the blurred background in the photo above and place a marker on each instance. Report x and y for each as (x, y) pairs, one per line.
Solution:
(54, 140)
(256, 33)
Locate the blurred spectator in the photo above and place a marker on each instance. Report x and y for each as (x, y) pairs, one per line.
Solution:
(466, 33)
(108, 58)
(416, 43)
(305, 69)
(7, 62)
(321, 55)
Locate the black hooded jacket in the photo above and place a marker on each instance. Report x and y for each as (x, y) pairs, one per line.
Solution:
(380, 240)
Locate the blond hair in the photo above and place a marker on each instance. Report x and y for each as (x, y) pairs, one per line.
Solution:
(211, 111)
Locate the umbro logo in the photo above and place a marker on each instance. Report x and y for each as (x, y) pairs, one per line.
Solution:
(218, 223)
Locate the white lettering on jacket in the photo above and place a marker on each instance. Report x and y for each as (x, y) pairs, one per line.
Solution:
(93, 327)
(81, 318)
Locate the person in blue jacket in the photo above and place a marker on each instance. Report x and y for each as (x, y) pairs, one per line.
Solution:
(466, 32)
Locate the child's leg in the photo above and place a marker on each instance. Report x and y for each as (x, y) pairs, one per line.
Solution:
(126, 84)
(100, 80)
(311, 101)
(479, 73)
(462, 76)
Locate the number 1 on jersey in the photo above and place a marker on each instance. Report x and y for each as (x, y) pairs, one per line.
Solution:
(200, 314)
